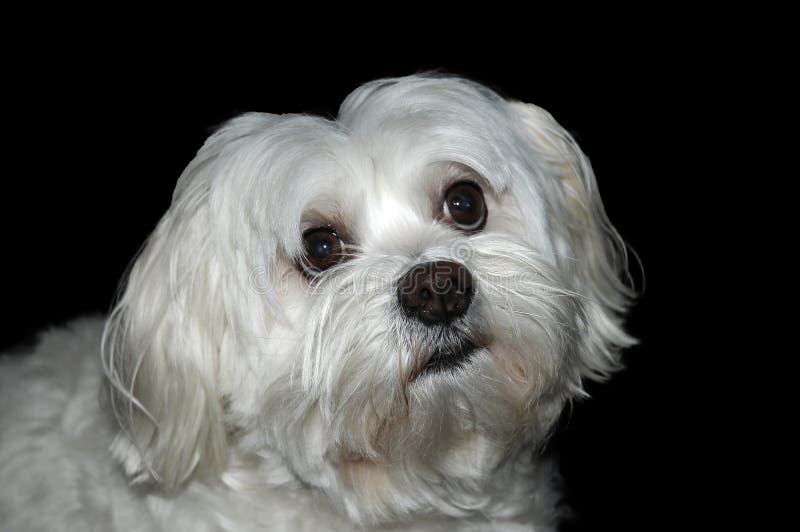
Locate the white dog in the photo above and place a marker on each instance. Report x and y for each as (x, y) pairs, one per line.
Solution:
(372, 322)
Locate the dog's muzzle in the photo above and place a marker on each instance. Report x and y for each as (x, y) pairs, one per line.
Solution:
(435, 292)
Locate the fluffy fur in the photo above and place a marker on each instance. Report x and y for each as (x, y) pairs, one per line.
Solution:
(238, 394)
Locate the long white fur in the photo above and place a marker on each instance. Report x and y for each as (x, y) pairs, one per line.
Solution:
(239, 396)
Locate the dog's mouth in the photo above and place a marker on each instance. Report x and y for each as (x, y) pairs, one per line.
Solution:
(450, 357)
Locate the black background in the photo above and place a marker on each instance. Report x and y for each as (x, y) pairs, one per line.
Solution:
(99, 141)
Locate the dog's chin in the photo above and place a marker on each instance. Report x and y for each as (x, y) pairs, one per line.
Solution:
(451, 357)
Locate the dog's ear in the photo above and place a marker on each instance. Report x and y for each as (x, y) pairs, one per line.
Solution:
(161, 346)
(596, 256)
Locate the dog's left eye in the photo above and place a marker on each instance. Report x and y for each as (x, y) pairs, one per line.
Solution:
(322, 248)
(464, 206)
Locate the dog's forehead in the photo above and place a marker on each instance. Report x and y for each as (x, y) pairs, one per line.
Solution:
(422, 120)
(379, 163)
(368, 183)
(391, 139)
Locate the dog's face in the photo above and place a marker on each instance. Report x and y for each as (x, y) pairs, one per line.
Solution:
(388, 307)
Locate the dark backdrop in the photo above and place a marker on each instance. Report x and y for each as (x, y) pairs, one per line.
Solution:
(98, 144)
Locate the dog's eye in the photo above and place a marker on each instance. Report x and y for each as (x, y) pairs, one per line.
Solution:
(322, 249)
(464, 206)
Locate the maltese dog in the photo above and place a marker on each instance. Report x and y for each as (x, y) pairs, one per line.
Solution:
(371, 322)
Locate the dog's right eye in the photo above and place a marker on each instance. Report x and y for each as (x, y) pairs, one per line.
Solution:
(464, 207)
(322, 248)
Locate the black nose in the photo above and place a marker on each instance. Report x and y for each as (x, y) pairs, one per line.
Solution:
(435, 292)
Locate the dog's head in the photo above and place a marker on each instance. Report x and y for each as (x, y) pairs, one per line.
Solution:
(387, 307)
